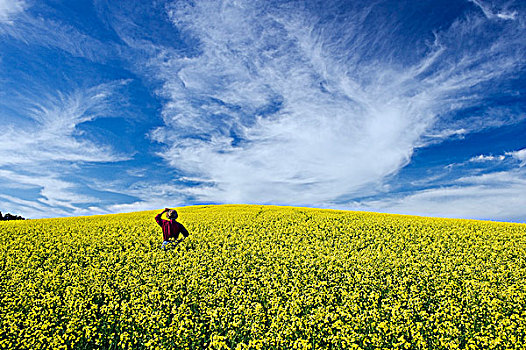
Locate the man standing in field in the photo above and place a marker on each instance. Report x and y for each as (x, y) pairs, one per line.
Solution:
(171, 228)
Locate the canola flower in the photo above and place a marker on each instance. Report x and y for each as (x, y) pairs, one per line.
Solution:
(263, 277)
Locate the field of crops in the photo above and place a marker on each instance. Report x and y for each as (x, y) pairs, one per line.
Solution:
(263, 277)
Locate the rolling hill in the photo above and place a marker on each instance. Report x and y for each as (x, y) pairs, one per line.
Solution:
(263, 277)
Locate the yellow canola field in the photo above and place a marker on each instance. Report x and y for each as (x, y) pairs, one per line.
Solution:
(263, 277)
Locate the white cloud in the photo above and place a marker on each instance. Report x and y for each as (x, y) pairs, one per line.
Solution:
(41, 152)
(54, 191)
(9, 8)
(485, 158)
(146, 204)
(154, 196)
(496, 196)
(41, 31)
(344, 121)
(520, 155)
(52, 134)
(492, 15)
(35, 209)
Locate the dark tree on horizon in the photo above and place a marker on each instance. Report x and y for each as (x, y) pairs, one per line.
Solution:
(8, 216)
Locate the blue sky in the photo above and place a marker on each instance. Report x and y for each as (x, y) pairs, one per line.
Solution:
(391, 106)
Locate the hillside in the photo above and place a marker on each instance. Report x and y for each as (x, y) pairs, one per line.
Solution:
(263, 277)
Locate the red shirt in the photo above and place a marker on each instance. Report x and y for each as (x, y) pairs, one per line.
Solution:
(171, 228)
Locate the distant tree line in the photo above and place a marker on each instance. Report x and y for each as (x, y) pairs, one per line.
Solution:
(10, 217)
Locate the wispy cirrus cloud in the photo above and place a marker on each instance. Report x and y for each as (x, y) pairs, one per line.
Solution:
(489, 187)
(281, 104)
(51, 101)
(497, 196)
(49, 132)
(44, 147)
(491, 14)
(10, 8)
(484, 158)
(54, 34)
(56, 194)
(519, 155)
(154, 196)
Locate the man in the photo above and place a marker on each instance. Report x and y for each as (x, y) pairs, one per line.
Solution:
(171, 228)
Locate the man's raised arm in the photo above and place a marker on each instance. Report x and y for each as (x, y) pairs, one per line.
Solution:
(158, 217)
